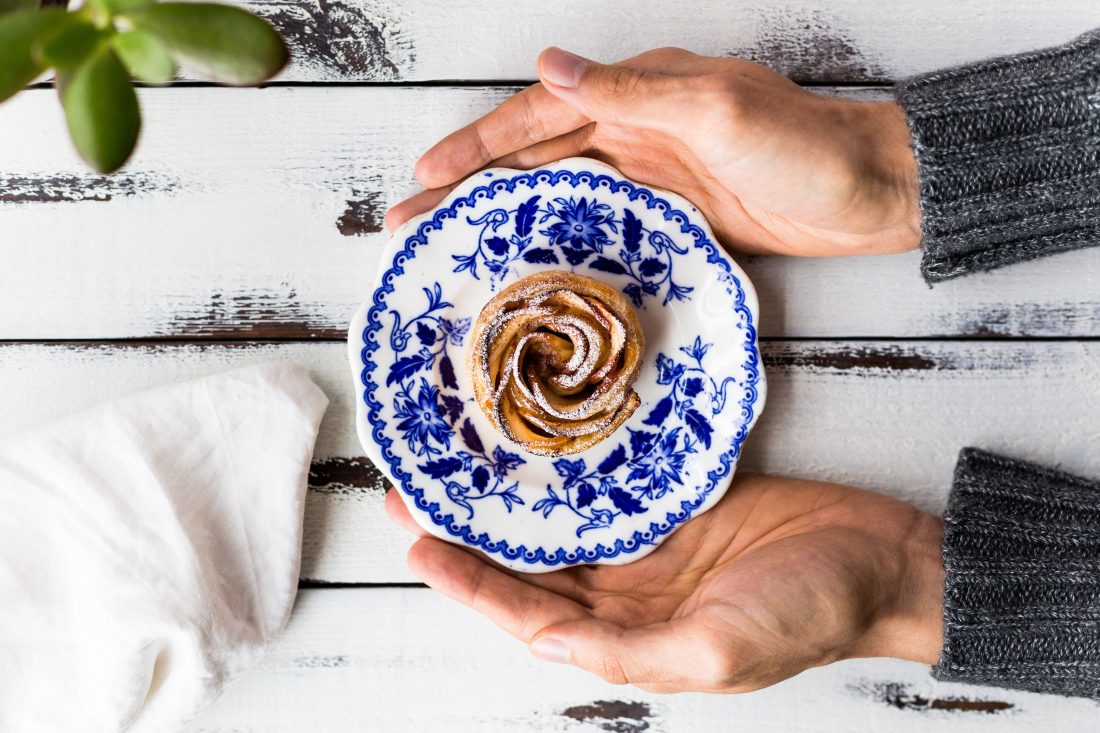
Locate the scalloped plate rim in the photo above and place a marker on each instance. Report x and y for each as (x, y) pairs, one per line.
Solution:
(397, 243)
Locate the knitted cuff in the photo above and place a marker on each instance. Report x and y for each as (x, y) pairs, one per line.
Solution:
(1022, 599)
(1008, 153)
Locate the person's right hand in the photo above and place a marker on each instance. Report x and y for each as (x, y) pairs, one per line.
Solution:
(779, 576)
(775, 169)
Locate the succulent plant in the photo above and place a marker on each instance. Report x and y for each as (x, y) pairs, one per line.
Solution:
(95, 52)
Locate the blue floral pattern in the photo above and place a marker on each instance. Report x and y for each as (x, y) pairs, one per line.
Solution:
(579, 225)
(655, 457)
(577, 231)
(422, 423)
(426, 420)
(663, 466)
(434, 333)
(486, 473)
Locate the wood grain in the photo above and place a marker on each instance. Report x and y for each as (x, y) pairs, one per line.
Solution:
(357, 660)
(811, 40)
(889, 416)
(256, 214)
(268, 225)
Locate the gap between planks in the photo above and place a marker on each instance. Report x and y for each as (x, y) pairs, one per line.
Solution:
(809, 40)
(833, 411)
(186, 244)
(348, 660)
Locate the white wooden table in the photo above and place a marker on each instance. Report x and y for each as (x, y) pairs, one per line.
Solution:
(248, 227)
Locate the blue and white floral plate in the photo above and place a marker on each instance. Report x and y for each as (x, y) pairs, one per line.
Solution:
(702, 384)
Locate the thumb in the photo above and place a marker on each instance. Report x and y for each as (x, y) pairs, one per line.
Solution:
(615, 93)
(675, 653)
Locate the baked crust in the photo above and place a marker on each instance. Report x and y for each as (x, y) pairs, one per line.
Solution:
(553, 358)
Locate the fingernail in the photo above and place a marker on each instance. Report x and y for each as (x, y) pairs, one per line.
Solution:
(562, 68)
(550, 650)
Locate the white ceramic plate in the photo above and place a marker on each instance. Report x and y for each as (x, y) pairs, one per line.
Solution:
(702, 383)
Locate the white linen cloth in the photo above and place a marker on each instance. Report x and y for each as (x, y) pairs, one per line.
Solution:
(149, 549)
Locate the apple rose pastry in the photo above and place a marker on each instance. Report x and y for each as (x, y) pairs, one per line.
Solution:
(553, 359)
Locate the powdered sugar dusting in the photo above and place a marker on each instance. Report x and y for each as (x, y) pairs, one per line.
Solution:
(562, 405)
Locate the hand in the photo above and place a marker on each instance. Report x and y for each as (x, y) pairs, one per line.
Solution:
(774, 168)
(779, 576)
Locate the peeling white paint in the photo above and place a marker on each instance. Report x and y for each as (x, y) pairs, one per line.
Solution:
(822, 40)
(897, 431)
(234, 229)
(366, 660)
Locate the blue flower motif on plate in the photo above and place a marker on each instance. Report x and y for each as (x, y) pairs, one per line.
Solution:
(701, 385)
(656, 458)
(579, 224)
(421, 421)
(423, 418)
(576, 231)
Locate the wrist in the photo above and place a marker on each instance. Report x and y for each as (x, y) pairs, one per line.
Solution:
(899, 171)
(911, 623)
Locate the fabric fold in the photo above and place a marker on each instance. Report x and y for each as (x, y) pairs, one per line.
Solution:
(150, 548)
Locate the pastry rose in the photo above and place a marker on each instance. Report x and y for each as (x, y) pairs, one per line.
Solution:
(553, 358)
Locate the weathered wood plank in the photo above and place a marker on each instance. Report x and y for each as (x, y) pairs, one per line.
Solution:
(889, 416)
(812, 40)
(407, 659)
(257, 213)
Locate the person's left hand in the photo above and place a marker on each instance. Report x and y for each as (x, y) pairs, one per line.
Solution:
(774, 168)
(779, 576)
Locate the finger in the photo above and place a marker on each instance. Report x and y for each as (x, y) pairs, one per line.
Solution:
(414, 206)
(621, 94)
(669, 654)
(522, 120)
(399, 513)
(562, 582)
(514, 605)
(565, 146)
(532, 116)
(660, 688)
(681, 62)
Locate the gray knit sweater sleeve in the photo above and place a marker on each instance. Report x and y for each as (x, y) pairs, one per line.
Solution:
(1008, 153)
(1022, 600)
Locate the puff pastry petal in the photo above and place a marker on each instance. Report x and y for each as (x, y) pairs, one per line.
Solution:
(553, 359)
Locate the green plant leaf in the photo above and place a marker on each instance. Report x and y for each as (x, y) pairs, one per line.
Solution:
(114, 7)
(144, 56)
(69, 46)
(102, 110)
(224, 43)
(19, 32)
(8, 6)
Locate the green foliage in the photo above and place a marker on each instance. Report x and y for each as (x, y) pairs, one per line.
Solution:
(69, 47)
(224, 43)
(7, 6)
(94, 52)
(145, 56)
(101, 109)
(20, 34)
(114, 7)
